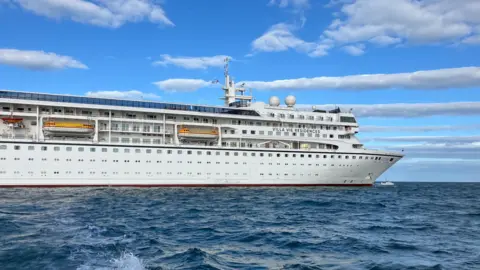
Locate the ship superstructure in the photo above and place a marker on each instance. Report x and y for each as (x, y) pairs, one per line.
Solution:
(62, 140)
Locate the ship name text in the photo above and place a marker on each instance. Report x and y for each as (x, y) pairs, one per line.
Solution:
(301, 130)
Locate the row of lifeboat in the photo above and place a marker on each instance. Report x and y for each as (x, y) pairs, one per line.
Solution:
(67, 127)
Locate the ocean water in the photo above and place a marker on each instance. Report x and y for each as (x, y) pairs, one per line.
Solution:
(411, 226)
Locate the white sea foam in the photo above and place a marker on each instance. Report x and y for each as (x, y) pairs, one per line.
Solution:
(127, 261)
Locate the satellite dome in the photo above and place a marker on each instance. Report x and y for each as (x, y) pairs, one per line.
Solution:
(274, 101)
(290, 101)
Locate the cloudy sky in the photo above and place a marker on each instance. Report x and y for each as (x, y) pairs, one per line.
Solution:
(409, 69)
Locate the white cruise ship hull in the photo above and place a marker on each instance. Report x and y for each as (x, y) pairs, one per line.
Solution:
(28, 164)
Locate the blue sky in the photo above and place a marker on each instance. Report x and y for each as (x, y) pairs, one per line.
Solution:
(170, 50)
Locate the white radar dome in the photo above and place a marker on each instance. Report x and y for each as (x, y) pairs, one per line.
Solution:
(274, 101)
(290, 101)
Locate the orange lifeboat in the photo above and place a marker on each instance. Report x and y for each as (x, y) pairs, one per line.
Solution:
(12, 120)
(198, 133)
(67, 127)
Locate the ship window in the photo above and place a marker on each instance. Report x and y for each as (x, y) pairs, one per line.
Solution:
(30, 147)
(56, 148)
(80, 149)
(189, 152)
(391, 159)
(360, 157)
(115, 150)
(294, 155)
(339, 156)
(302, 155)
(309, 156)
(278, 155)
(286, 155)
(253, 154)
(16, 147)
(209, 153)
(92, 149)
(199, 153)
(126, 150)
(244, 154)
(179, 152)
(138, 151)
(217, 153)
(169, 152)
(252, 131)
(354, 157)
(346, 157)
(104, 150)
(227, 153)
(236, 154)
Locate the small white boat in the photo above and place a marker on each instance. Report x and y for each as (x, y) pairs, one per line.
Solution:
(386, 183)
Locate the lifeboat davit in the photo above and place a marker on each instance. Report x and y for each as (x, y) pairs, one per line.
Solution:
(200, 133)
(68, 127)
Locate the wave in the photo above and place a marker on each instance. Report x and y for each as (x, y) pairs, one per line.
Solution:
(126, 261)
(397, 266)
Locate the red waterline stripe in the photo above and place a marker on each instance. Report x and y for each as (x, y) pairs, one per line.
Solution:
(187, 185)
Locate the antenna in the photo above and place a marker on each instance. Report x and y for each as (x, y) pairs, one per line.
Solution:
(226, 60)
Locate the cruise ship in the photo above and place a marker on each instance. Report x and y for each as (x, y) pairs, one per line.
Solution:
(52, 140)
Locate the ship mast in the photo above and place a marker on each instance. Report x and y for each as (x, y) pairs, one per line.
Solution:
(230, 95)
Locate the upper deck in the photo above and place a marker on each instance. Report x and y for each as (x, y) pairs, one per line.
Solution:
(124, 103)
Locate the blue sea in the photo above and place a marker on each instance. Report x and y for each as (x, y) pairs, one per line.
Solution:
(410, 226)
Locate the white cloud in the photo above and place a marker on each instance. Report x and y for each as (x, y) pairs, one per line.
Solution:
(292, 3)
(367, 128)
(38, 60)
(472, 40)
(408, 109)
(193, 62)
(132, 94)
(280, 37)
(436, 161)
(355, 50)
(430, 79)
(421, 80)
(104, 13)
(411, 21)
(464, 150)
(384, 40)
(298, 7)
(434, 141)
(182, 85)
